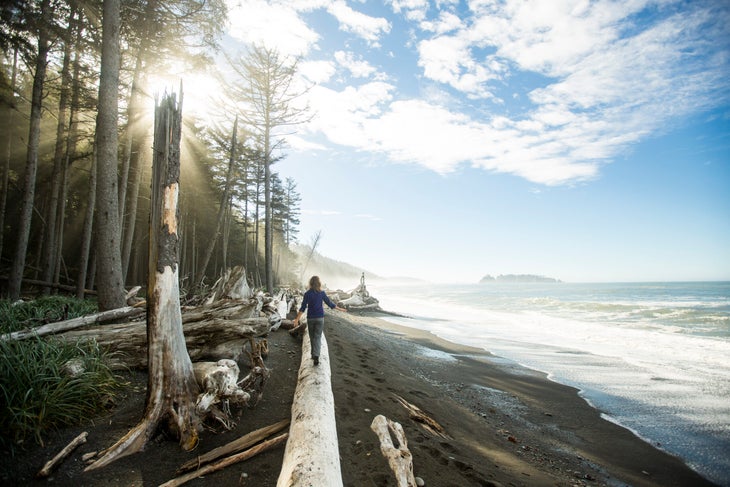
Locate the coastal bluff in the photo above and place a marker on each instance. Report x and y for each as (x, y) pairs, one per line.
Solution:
(518, 278)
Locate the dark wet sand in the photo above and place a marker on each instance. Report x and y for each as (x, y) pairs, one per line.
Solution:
(506, 425)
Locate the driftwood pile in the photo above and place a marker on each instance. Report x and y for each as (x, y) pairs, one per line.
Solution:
(220, 335)
(357, 299)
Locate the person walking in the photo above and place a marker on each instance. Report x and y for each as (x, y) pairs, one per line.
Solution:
(313, 302)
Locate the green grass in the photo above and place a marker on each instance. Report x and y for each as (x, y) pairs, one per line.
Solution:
(36, 391)
(48, 309)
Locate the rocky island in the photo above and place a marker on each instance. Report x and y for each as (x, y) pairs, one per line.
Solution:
(519, 278)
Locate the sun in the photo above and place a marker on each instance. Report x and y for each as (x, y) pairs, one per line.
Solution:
(198, 90)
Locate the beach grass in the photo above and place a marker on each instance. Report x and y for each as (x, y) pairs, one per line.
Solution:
(48, 384)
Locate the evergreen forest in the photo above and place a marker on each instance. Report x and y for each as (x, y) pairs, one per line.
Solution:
(78, 83)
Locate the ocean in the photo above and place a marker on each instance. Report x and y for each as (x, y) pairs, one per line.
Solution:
(652, 357)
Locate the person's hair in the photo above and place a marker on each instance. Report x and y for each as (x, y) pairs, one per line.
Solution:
(315, 283)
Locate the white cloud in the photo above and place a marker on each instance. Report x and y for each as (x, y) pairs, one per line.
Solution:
(339, 114)
(276, 25)
(317, 71)
(364, 26)
(602, 75)
(413, 9)
(446, 22)
(357, 67)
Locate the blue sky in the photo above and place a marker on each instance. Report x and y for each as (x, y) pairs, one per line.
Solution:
(587, 141)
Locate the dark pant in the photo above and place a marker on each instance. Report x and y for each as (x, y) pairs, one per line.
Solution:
(315, 326)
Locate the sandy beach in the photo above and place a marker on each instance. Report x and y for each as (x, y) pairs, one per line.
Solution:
(505, 425)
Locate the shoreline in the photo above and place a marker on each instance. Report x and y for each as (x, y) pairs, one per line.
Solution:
(505, 424)
(647, 387)
(543, 428)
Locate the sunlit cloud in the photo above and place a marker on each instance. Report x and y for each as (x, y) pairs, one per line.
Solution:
(364, 26)
(355, 65)
(317, 71)
(601, 75)
(446, 22)
(412, 9)
(603, 90)
(273, 24)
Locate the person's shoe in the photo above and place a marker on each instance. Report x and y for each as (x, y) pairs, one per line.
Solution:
(315, 360)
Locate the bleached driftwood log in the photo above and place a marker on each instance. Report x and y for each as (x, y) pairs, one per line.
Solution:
(61, 456)
(426, 421)
(232, 284)
(394, 446)
(234, 446)
(218, 383)
(238, 457)
(210, 338)
(61, 326)
(312, 456)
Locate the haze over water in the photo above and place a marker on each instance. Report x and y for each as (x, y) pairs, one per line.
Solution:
(653, 357)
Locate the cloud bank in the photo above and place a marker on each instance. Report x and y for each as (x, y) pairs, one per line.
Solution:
(546, 91)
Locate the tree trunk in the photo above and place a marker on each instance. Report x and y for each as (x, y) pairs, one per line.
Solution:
(8, 154)
(86, 234)
(171, 387)
(268, 227)
(222, 209)
(108, 250)
(31, 165)
(52, 241)
(73, 136)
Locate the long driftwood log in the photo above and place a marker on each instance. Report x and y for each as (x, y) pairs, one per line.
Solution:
(62, 326)
(312, 456)
(210, 338)
(246, 441)
(238, 457)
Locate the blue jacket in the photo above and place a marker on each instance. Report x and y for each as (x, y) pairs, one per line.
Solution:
(312, 302)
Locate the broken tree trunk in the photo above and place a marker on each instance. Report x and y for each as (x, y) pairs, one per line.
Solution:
(233, 284)
(61, 326)
(171, 386)
(394, 447)
(311, 456)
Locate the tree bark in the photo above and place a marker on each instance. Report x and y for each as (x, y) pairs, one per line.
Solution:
(86, 233)
(8, 155)
(171, 387)
(52, 241)
(31, 165)
(108, 250)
